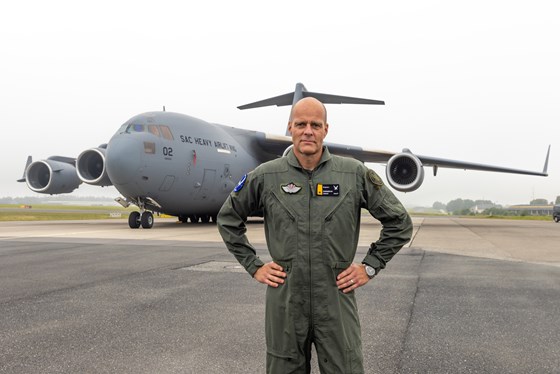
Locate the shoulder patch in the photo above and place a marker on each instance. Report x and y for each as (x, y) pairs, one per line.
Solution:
(240, 184)
(374, 179)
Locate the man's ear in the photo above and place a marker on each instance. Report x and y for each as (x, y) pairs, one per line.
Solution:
(326, 129)
(289, 130)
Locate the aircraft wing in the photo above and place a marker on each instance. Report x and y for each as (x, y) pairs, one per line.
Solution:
(377, 156)
(446, 163)
(280, 143)
(404, 169)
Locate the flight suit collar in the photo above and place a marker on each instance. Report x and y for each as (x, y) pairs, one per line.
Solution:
(293, 161)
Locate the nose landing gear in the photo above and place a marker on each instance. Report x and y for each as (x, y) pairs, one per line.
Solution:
(146, 220)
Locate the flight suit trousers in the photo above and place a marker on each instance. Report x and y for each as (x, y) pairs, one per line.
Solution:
(302, 314)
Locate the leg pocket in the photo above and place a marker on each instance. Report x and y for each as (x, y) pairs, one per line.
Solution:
(281, 339)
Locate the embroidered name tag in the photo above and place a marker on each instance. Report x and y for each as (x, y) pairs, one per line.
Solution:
(328, 189)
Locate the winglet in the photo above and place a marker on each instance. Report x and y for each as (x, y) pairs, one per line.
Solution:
(545, 169)
(29, 161)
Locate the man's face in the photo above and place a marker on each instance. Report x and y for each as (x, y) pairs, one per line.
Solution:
(308, 128)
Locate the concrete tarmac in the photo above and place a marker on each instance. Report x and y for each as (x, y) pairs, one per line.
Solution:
(466, 296)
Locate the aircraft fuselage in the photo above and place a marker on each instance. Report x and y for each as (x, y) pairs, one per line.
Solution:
(185, 165)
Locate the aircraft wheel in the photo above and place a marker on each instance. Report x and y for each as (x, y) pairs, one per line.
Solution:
(205, 218)
(134, 220)
(193, 218)
(147, 220)
(557, 219)
(214, 218)
(183, 219)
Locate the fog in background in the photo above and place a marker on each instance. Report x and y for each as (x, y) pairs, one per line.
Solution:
(476, 81)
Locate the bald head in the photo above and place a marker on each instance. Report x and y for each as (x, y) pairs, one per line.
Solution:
(309, 104)
(308, 127)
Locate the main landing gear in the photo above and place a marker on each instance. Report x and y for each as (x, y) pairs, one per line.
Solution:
(146, 220)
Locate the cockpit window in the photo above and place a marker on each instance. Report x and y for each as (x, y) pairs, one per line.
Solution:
(122, 129)
(154, 130)
(166, 132)
(135, 127)
(161, 131)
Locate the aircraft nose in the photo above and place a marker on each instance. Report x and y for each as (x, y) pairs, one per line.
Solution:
(124, 159)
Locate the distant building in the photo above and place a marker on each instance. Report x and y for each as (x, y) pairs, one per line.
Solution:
(531, 210)
(479, 208)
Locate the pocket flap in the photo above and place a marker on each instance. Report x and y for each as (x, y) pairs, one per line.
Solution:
(286, 265)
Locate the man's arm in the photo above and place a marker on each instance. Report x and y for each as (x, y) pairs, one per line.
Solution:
(231, 222)
(396, 223)
(396, 231)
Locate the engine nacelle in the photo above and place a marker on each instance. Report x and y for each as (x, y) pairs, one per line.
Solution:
(51, 177)
(92, 168)
(405, 172)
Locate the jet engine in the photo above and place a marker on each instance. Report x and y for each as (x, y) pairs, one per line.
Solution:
(91, 167)
(405, 172)
(51, 177)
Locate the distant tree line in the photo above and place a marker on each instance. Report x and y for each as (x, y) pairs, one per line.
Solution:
(466, 207)
(30, 200)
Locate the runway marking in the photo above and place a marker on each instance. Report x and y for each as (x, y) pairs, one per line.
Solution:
(217, 266)
(53, 235)
(417, 225)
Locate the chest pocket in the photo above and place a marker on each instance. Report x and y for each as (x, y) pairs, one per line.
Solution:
(280, 228)
(340, 229)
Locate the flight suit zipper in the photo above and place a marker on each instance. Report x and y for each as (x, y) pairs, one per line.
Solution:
(311, 195)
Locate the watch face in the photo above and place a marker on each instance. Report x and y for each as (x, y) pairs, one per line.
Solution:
(370, 271)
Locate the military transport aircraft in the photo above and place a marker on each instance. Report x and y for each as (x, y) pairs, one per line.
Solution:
(182, 166)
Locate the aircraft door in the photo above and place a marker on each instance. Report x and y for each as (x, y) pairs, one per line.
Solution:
(228, 184)
(207, 182)
(167, 183)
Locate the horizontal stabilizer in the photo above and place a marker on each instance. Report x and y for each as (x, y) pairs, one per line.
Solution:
(281, 100)
(301, 92)
(336, 99)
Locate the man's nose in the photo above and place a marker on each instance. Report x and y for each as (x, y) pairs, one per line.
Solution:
(308, 129)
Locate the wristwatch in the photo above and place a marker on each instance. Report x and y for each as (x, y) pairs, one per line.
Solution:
(370, 271)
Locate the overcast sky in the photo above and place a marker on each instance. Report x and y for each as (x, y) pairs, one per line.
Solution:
(474, 81)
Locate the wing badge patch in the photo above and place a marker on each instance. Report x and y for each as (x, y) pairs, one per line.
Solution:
(291, 188)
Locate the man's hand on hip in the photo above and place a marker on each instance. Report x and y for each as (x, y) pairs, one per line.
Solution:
(352, 277)
(271, 273)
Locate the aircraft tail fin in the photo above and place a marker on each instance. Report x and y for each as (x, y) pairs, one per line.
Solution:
(300, 92)
(29, 161)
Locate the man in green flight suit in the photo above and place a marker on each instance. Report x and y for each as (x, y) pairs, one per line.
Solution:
(312, 202)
